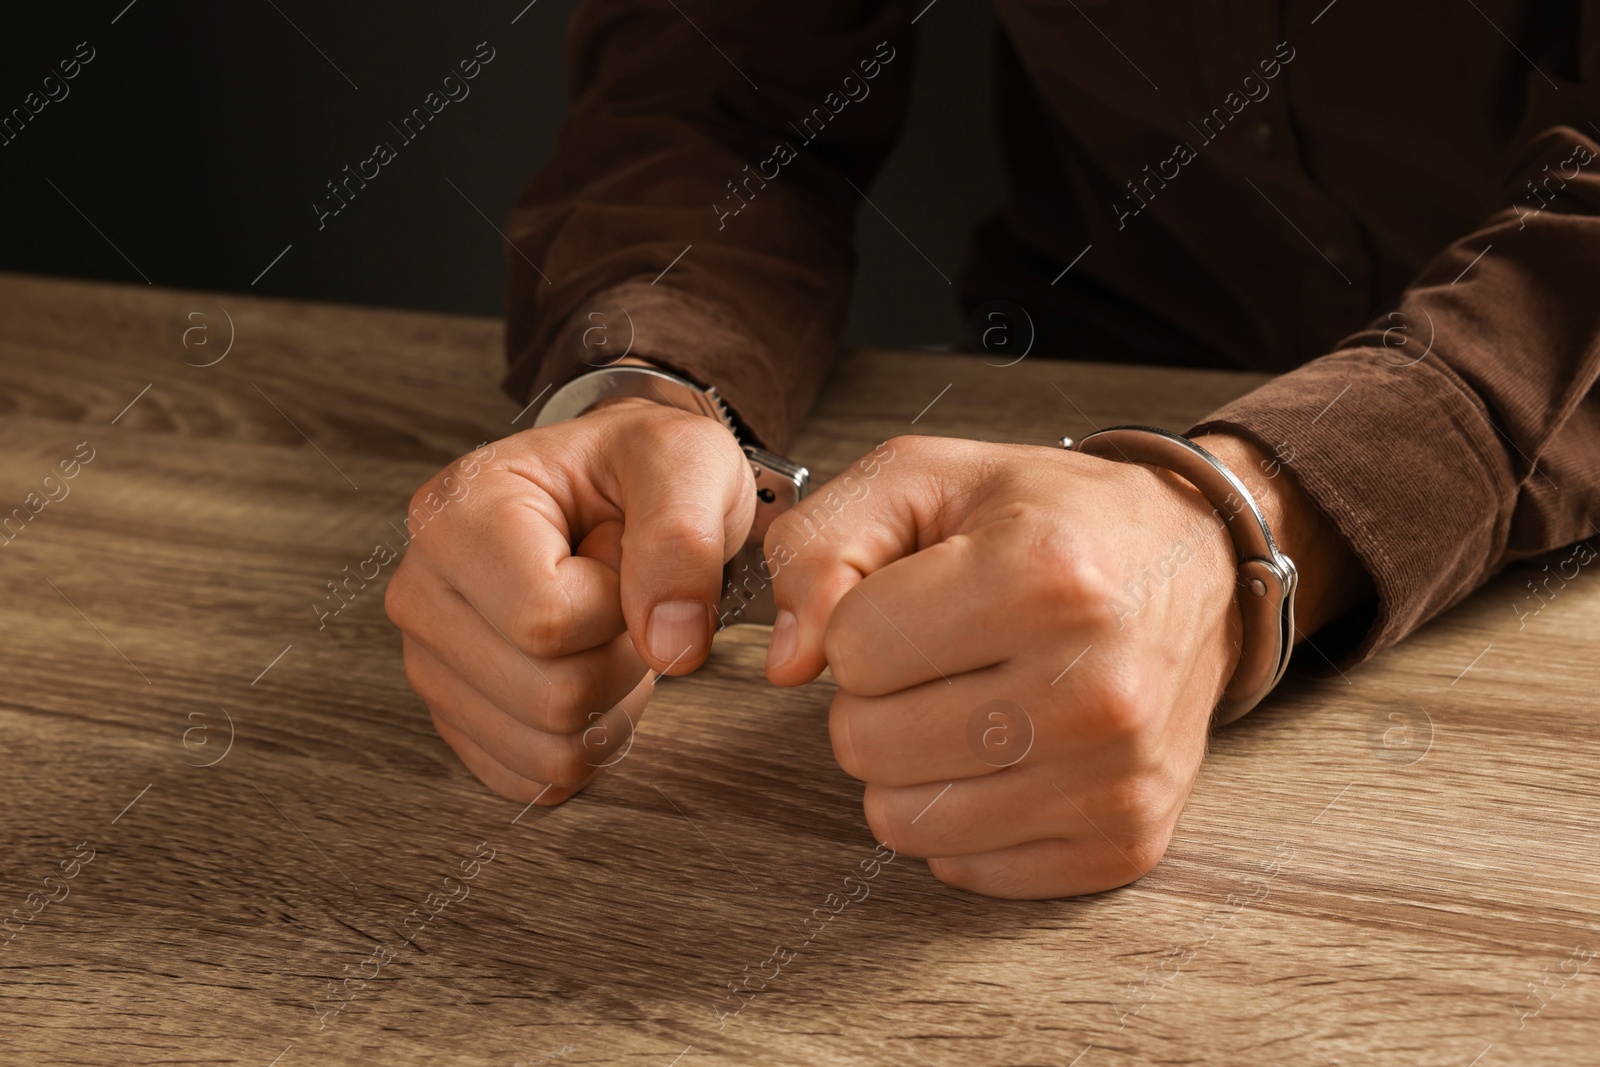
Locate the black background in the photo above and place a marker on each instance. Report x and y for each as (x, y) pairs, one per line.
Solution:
(200, 134)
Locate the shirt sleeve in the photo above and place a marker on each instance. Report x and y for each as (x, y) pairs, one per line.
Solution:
(698, 208)
(1461, 431)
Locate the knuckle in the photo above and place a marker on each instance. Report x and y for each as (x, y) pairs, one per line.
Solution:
(654, 433)
(875, 806)
(553, 760)
(564, 765)
(1145, 850)
(685, 534)
(912, 444)
(652, 429)
(848, 660)
(399, 600)
(953, 871)
(1119, 708)
(785, 530)
(419, 497)
(1139, 810)
(789, 549)
(542, 626)
(841, 732)
(565, 707)
(427, 506)
(1074, 584)
(575, 698)
(1127, 801)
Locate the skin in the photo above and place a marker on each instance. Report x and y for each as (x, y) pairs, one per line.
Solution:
(1088, 604)
(978, 573)
(536, 659)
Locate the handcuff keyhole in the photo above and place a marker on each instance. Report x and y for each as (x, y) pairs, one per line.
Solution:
(766, 496)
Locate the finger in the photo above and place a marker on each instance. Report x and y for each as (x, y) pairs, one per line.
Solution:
(565, 760)
(856, 524)
(969, 727)
(948, 609)
(552, 695)
(971, 815)
(495, 775)
(507, 550)
(688, 499)
(1042, 870)
(604, 544)
(610, 735)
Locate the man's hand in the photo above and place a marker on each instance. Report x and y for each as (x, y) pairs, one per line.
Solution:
(1028, 645)
(582, 556)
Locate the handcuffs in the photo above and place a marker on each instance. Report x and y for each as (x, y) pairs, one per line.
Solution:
(746, 579)
(1267, 578)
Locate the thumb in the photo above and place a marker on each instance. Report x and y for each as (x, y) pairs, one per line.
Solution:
(855, 525)
(688, 500)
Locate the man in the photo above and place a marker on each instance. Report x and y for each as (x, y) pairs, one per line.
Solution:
(1397, 208)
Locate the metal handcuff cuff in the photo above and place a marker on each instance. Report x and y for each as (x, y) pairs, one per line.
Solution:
(746, 581)
(1267, 578)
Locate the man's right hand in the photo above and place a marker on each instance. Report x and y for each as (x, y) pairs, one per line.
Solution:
(581, 560)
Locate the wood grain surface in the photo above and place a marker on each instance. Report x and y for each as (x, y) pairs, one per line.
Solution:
(240, 842)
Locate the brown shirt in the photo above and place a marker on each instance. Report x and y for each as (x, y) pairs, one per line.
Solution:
(1398, 206)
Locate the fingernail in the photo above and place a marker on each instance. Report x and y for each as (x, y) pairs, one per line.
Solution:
(785, 636)
(677, 631)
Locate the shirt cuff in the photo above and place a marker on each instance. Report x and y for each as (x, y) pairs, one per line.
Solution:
(695, 337)
(1404, 464)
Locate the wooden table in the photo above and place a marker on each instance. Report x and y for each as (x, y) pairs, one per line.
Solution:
(223, 814)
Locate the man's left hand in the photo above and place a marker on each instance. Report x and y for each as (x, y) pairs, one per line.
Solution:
(1028, 645)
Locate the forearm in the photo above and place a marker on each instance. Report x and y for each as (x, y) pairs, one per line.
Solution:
(715, 218)
(1457, 432)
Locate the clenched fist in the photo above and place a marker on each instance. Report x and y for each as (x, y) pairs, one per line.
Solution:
(1028, 645)
(586, 558)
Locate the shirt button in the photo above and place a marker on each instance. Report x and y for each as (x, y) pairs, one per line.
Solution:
(1265, 138)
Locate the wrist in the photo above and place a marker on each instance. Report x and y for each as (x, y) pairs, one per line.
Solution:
(1332, 578)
